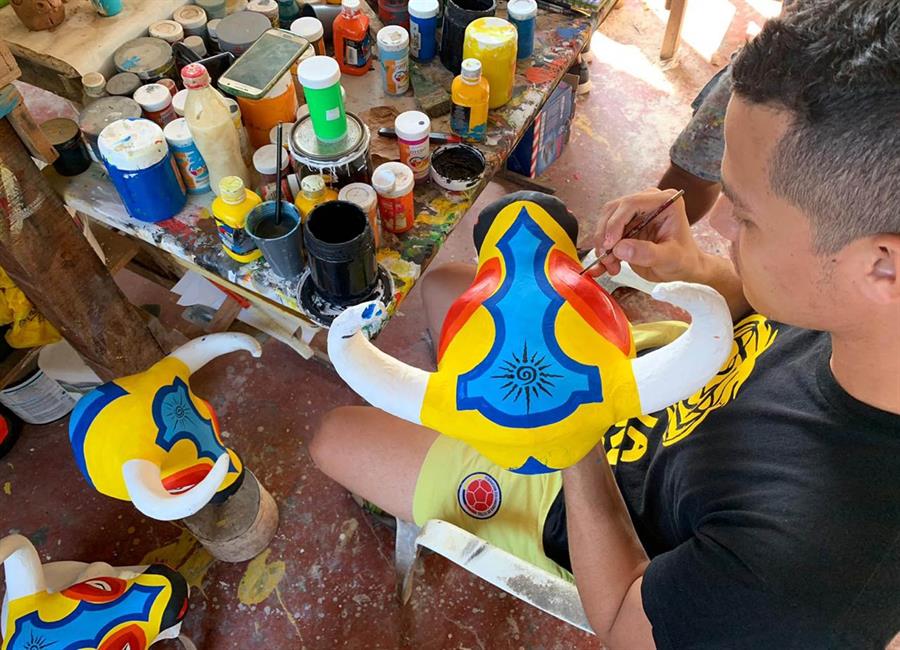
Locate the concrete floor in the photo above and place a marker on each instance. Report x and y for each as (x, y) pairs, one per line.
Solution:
(327, 580)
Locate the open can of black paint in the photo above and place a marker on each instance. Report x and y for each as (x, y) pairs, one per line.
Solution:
(340, 248)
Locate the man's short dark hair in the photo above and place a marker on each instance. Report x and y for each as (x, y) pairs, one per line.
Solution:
(835, 66)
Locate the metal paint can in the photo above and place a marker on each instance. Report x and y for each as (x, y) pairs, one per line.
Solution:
(340, 163)
(147, 57)
(65, 136)
(238, 31)
(37, 398)
(98, 114)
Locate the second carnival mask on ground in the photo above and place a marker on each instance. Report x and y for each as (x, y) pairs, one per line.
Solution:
(535, 361)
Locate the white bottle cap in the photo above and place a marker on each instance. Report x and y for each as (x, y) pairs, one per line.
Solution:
(211, 28)
(352, 5)
(265, 159)
(178, 102)
(392, 38)
(522, 9)
(361, 194)
(168, 30)
(393, 180)
(177, 133)
(153, 97)
(319, 72)
(190, 16)
(132, 144)
(412, 125)
(423, 8)
(309, 28)
(471, 70)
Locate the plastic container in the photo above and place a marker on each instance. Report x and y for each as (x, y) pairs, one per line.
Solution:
(102, 112)
(190, 162)
(523, 15)
(281, 242)
(288, 12)
(215, 9)
(457, 16)
(365, 196)
(196, 45)
(149, 58)
(168, 30)
(286, 129)
(394, 183)
(423, 29)
(65, 137)
(238, 31)
(268, 8)
(123, 84)
(393, 56)
(493, 42)
(212, 126)
(107, 7)
(192, 20)
(93, 86)
(155, 101)
(352, 45)
(169, 84)
(313, 191)
(320, 77)
(312, 30)
(393, 12)
(413, 131)
(212, 28)
(178, 102)
(230, 210)
(470, 95)
(139, 164)
(275, 107)
(265, 162)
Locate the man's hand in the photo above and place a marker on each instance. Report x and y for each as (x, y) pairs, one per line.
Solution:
(664, 250)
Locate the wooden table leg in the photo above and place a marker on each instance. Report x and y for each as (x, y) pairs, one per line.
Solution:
(672, 37)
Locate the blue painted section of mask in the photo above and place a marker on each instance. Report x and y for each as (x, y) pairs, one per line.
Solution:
(526, 380)
(86, 626)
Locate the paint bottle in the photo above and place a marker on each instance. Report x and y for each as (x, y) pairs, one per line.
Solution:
(155, 101)
(394, 12)
(320, 77)
(169, 84)
(143, 172)
(65, 137)
(393, 54)
(243, 138)
(149, 58)
(212, 126)
(457, 16)
(413, 131)
(99, 114)
(93, 86)
(523, 15)
(313, 191)
(423, 29)
(493, 42)
(215, 9)
(190, 163)
(470, 94)
(352, 47)
(238, 31)
(168, 30)
(365, 196)
(192, 20)
(394, 183)
(212, 30)
(178, 102)
(196, 45)
(265, 162)
(268, 8)
(312, 30)
(288, 12)
(107, 7)
(230, 210)
(276, 106)
(123, 84)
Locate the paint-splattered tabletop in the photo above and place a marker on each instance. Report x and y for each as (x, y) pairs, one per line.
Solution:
(191, 235)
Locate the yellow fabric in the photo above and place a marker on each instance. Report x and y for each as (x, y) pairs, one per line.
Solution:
(29, 328)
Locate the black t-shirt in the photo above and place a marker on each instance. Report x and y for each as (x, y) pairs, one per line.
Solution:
(769, 504)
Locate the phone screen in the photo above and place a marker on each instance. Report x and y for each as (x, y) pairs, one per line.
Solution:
(258, 65)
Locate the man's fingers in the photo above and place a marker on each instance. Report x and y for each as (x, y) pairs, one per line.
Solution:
(616, 224)
(638, 252)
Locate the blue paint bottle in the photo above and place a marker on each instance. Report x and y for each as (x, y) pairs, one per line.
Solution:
(423, 29)
(523, 14)
(107, 7)
(137, 158)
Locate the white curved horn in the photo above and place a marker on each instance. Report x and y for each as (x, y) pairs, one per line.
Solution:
(197, 353)
(144, 484)
(24, 575)
(680, 369)
(381, 380)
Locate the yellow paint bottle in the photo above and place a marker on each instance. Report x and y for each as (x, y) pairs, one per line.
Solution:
(493, 41)
(230, 210)
(313, 192)
(470, 95)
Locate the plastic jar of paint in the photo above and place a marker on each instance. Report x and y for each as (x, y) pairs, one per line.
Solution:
(99, 114)
(288, 12)
(155, 101)
(137, 158)
(313, 191)
(394, 183)
(457, 16)
(147, 57)
(469, 96)
(192, 20)
(169, 84)
(215, 9)
(168, 30)
(423, 29)
(365, 196)
(413, 131)
(65, 137)
(238, 31)
(230, 210)
(320, 77)
(312, 30)
(187, 156)
(93, 86)
(268, 8)
(107, 7)
(493, 42)
(393, 55)
(211, 30)
(265, 162)
(276, 106)
(196, 45)
(352, 47)
(123, 84)
(393, 12)
(178, 102)
(523, 15)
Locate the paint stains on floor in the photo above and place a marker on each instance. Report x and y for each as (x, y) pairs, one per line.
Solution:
(7, 488)
(260, 579)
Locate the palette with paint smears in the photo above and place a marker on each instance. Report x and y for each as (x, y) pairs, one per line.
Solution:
(323, 311)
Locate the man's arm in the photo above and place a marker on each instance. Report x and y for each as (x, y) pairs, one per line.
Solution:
(607, 557)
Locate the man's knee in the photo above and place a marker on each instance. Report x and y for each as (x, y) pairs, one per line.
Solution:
(329, 442)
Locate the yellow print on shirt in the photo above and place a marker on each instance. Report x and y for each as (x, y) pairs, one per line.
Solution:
(628, 441)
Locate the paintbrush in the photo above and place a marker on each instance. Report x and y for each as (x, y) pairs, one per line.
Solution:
(278, 154)
(637, 229)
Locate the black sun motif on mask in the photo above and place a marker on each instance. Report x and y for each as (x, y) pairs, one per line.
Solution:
(526, 377)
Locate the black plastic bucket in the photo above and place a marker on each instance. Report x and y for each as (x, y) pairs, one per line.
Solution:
(457, 16)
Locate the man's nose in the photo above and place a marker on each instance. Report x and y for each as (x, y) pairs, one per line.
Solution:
(721, 218)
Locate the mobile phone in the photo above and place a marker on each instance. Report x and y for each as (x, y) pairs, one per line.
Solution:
(267, 60)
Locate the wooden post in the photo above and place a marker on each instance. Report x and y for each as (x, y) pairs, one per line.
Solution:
(672, 37)
(49, 259)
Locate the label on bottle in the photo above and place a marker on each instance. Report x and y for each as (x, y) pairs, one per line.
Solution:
(460, 123)
(415, 38)
(396, 74)
(235, 239)
(416, 156)
(356, 53)
(192, 167)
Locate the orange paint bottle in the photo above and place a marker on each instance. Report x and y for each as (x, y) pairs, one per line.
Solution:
(352, 44)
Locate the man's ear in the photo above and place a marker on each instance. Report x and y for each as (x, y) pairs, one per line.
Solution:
(881, 283)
